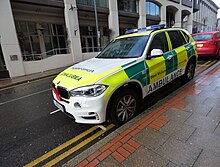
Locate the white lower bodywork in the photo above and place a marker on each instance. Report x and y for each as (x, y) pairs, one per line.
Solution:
(90, 107)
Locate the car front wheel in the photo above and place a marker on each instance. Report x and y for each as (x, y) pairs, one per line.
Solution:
(124, 106)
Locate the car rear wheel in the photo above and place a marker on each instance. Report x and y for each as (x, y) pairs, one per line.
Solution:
(124, 106)
(189, 72)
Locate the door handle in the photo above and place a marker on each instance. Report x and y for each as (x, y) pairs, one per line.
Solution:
(169, 57)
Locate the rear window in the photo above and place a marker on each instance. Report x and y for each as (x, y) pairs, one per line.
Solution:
(202, 37)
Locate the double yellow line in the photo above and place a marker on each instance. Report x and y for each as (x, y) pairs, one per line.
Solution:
(68, 143)
(205, 66)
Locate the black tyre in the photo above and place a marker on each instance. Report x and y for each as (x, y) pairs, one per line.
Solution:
(189, 72)
(124, 106)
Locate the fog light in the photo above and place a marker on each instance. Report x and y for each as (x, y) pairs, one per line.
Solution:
(77, 105)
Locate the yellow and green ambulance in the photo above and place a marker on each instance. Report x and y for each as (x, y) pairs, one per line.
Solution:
(112, 85)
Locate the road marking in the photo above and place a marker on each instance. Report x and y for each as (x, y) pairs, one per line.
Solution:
(61, 147)
(204, 68)
(204, 64)
(19, 98)
(27, 82)
(53, 112)
(77, 147)
(102, 127)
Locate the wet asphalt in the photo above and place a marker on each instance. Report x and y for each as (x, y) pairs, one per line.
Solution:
(27, 128)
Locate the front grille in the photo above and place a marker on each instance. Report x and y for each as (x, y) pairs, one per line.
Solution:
(63, 92)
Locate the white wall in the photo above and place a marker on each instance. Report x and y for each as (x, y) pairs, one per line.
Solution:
(9, 40)
(49, 63)
(89, 55)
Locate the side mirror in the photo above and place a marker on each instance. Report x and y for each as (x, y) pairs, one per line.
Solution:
(156, 53)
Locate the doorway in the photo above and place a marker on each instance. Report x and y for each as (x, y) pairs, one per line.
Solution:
(3, 71)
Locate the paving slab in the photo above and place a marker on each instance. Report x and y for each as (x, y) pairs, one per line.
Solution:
(179, 153)
(145, 157)
(151, 139)
(214, 113)
(203, 122)
(109, 162)
(171, 164)
(178, 130)
(205, 87)
(206, 141)
(217, 130)
(196, 106)
(177, 115)
(207, 159)
(212, 102)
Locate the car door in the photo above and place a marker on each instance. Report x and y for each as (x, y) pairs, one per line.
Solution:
(157, 67)
(179, 51)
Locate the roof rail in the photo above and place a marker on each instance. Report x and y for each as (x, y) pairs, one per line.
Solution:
(152, 27)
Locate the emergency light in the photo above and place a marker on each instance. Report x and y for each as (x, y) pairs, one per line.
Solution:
(152, 27)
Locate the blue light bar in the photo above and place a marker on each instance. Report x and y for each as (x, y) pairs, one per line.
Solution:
(153, 27)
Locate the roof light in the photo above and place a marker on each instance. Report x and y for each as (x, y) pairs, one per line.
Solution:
(152, 27)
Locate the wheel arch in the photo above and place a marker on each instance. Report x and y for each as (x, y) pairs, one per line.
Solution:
(192, 59)
(134, 85)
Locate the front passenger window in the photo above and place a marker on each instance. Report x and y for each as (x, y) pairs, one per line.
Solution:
(159, 42)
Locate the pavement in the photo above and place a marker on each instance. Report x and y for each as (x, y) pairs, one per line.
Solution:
(180, 130)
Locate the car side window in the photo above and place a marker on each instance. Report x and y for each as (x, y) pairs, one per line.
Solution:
(176, 38)
(159, 42)
(186, 36)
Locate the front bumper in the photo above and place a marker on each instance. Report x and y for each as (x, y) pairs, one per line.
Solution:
(87, 110)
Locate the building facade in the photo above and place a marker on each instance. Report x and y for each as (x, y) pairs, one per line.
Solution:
(218, 24)
(206, 18)
(40, 35)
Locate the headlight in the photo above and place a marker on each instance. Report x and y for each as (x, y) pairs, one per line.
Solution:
(91, 90)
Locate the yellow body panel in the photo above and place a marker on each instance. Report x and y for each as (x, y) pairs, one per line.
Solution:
(70, 77)
(157, 68)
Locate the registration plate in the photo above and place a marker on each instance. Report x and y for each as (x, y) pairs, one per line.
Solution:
(61, 107)
(199, 45)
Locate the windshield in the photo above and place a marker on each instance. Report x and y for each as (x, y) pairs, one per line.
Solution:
(129, 47)
(202, 37)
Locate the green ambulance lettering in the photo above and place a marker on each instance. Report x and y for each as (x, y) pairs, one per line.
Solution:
(158, 84)
(71, 76)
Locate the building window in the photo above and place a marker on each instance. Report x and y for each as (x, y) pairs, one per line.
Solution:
(152, 9)
(128, 5)
(54, 38)
(89, 38)
(99, 3)
(40, 40)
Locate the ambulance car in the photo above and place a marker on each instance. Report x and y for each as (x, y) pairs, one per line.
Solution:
(132, 66)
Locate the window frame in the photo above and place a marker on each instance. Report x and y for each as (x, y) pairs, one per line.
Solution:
(148, 51)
